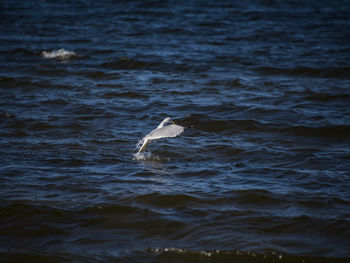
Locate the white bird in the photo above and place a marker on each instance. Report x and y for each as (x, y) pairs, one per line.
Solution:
(165, 129)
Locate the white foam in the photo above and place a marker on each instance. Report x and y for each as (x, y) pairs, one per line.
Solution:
(58, 54)
(146, 156)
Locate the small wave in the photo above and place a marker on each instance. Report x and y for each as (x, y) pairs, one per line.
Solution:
(340, 73)
(167, 200)
(128, 63)
(230, 125)
(186, 255)
(60, 54)
(219, 255)
(335, 131)
(127, 94)
(324, 97)
(125, 63)
(5, 79)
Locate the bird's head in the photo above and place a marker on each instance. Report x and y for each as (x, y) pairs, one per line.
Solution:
(165, 122)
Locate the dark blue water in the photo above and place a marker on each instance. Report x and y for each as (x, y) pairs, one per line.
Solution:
(261, 175)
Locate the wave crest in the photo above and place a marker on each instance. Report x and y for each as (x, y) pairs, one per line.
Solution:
(61, 54)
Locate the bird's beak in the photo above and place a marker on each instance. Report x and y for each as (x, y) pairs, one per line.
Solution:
(172, 122)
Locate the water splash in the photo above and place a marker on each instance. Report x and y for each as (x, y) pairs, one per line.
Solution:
(145, 155)
(139, 144)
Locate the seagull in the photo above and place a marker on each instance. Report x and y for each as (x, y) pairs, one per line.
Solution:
(166, 129)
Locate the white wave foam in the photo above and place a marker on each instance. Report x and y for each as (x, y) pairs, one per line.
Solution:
(58, 54)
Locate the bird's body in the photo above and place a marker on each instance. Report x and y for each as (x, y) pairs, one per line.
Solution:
(165, 129)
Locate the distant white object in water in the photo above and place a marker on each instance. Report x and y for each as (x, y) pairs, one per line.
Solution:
(58, 54)
(165, 129)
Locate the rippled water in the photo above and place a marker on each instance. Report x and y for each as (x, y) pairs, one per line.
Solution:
(261, 174)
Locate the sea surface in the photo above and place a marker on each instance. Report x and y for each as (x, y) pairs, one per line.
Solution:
(261, 173)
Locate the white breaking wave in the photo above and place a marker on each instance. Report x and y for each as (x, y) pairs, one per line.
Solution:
(166, 129)
(58, 54)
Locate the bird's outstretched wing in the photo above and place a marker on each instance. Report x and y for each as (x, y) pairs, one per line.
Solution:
(171, 130)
